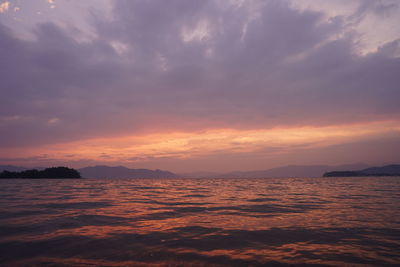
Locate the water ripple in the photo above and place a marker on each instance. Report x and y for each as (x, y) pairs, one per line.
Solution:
(200, 222)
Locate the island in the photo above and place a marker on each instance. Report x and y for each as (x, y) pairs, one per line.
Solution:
(48, 173)
(388, 170)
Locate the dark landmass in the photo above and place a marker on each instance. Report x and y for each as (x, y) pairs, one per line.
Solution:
(388, 170)
(49, 173)
(349, 170)
(344, 174)
(280, 172)
(12, 168)
(199, 174)
(123, 172)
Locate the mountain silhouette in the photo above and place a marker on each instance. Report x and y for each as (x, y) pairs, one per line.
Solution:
(123, 172)
(291, 171)
(11, 168)
(103, 171)
(388, 170)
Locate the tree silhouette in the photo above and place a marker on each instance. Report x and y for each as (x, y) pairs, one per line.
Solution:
(49, 173)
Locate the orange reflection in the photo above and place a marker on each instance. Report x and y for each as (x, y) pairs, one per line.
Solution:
(203, 222)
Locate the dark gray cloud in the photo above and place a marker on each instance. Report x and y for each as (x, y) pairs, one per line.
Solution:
(189, 65)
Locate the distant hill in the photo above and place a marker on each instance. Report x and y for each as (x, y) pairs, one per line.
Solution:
(393, 169)
(199, 174)
(292, 171)
(388, 170)
(280, 172)
(11, 168)
(123, 172)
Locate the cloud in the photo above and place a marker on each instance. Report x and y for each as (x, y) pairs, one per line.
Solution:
(189, 66)
(379, 8)
(53, 120)
(167, 147)
(4, 6)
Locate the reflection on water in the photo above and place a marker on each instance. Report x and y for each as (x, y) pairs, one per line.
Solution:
(200, 222)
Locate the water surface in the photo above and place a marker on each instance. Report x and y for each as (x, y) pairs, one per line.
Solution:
(200, 222)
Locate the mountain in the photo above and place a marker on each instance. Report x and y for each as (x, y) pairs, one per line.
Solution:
(286, 171)
(292, 171)
(199, 174)
(388, 170)
(11, 168)
(393, 169)
(123, 172)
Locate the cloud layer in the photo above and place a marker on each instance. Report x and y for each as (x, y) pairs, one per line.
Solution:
(189, 66)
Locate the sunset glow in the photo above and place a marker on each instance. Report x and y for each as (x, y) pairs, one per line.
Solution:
(136, 149)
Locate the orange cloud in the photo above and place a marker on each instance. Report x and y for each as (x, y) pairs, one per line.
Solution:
(4, 7)
(184, 145)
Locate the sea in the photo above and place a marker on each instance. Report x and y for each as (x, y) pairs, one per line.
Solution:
(200, 222)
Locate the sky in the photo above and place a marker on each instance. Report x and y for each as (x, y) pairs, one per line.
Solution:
(188, 85)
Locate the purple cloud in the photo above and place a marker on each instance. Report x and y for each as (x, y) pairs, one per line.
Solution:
(190, 65)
